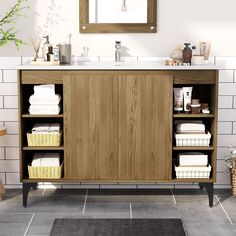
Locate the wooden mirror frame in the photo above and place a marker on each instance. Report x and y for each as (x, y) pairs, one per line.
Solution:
(149, 27)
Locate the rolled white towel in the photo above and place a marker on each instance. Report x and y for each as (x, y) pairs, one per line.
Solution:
(45, 89)
(45, 100)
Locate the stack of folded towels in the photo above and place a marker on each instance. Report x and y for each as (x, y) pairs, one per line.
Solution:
(44, 100)
(45, 128)
(46, 159)
(190, 127)
(193, 159)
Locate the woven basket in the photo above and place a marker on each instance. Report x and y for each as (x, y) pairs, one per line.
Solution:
(53, 139)
(45, 172)
(233, 178)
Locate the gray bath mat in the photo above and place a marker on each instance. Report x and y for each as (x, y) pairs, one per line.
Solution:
(117, 227)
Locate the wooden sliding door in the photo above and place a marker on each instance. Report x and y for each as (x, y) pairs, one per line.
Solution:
(145, 127)
(91, 149)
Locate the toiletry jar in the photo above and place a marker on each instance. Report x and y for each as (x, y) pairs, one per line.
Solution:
(194, 140)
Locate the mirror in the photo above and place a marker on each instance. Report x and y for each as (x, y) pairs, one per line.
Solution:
(118, 16)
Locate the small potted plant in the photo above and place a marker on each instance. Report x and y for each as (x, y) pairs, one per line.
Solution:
(8, 32)
(230, 159)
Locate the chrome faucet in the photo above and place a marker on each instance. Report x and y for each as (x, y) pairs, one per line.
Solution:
(118, 51)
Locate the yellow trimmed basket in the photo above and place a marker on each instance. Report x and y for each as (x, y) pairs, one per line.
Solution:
(45, 172)
(53, 139)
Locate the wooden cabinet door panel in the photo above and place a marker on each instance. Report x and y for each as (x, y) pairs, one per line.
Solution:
(90, 106)
(145, 127)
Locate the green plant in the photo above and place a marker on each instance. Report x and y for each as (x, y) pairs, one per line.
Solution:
(8, 32)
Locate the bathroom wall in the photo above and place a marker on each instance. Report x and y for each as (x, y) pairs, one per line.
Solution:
(178, 21)
(9, 156)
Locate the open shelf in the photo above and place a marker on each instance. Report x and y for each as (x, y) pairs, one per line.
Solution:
(183, 115)
(26, 148)
(42, 116)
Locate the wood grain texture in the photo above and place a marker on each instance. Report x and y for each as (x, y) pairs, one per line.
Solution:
(42, 77)
(145, 127)
(118, 28)
(90, 127)
(114, 139)
(149, 27)
(195, 77)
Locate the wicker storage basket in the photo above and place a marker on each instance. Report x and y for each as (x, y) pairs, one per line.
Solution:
(193, 140)
(233, 178)
(45, 172)
(53, 139)
(193, 172)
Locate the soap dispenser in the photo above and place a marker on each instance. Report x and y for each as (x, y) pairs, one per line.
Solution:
(45, 48)
(187, 54)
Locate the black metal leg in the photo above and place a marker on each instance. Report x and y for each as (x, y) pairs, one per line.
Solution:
(26, 189)
(209, 189)
(34, 186)
(201, 187)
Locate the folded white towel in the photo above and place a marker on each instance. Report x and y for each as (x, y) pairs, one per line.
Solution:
(190, 128)
(193, 159)
(46, 159)
(46, 89)
(45, 100)
(44, 109)
(46, 128)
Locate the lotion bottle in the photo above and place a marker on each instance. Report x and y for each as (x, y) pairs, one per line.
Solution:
(187, 98)
(187, 54)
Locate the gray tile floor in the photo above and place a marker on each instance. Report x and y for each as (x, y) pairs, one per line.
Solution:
(189, 205)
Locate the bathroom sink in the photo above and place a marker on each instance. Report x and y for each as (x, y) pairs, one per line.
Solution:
(123, 64)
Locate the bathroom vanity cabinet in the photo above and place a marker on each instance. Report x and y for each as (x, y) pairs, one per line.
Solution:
(118, 124)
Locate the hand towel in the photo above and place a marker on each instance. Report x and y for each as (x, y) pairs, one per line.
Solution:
(44, 90)
(44, 110)
(193, 159)
(45, 100)
(190, 128)
(46, 128)
(46, 159)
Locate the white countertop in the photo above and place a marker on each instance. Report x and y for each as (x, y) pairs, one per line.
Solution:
(106, 65)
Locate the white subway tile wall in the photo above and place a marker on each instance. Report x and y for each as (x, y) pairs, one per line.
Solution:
(1, 102)
(224, 102)
(10, 76)
(11, 102)
(225, 127)
(234, 128)
(1, 72)
(12, 153)
(2, 154)
(9, 150)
